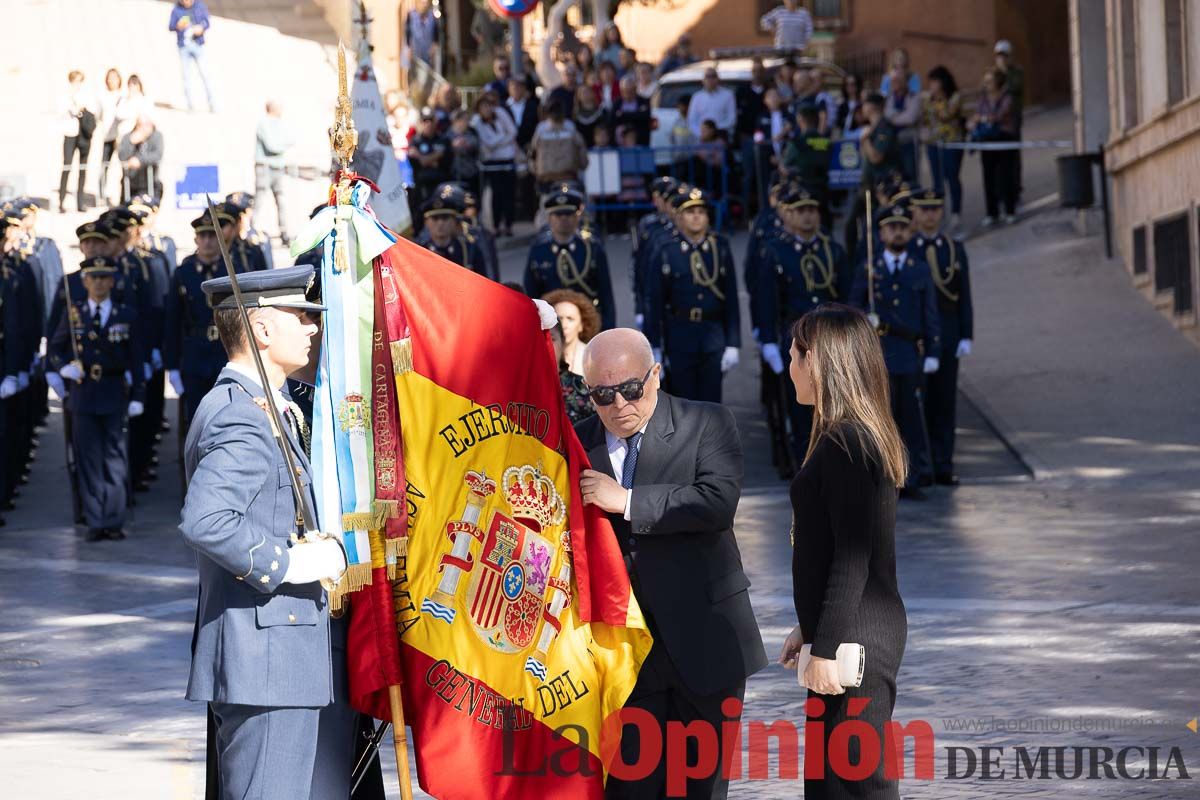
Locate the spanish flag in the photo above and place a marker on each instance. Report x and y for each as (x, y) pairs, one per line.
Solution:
(519, 632)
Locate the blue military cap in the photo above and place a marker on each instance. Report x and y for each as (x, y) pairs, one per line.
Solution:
(26, 206)
(143, 205)
(94, 230)
(204, 223)
(795, 195)
(562, 199)
(894, 187)
(664, 185)
(119, 219)
(98, 266)
(679, 195)
(896, 212)
(694, 196)
(927, 198)
(273, 288)
(242, 201)
(10, 211)
(447, 199)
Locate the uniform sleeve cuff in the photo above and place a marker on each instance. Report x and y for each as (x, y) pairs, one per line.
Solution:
(268, 565)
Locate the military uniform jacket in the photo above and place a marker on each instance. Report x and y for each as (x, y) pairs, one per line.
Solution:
(647, 227)
(459, 249)
(256, 238)
(766, 223)
(246, 257)
(21, 276)
(483, 238)
(10, 325)
(692, 302)
(190, 342)
(165, 245)
(947, 262)
(121, 293)
(648, 259)
(156, 277)
(795, 277)
(581, 265)
(110, 354)
(48, 256)
(907, 312)
(258, 641)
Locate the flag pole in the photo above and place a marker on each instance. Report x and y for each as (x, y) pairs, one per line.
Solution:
(343, 139)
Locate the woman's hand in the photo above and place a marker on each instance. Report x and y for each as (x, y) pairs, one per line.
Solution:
(821, 676)
(791, 648)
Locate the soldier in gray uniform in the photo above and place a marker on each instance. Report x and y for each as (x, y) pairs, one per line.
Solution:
(262, 646)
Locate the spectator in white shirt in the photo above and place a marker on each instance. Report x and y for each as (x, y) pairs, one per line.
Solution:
(497, 155)
(107, 123)
(792, 25)
(714, 102)
(78, 123)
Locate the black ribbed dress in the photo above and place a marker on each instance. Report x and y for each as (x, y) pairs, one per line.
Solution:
(844, 582)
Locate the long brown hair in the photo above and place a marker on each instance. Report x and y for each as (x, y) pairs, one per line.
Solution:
(850, 384)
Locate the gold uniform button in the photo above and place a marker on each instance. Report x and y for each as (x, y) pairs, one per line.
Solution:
(895, 302)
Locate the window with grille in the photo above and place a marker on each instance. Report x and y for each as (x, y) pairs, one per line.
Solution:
(1172, 261)
(1139, 250)
(1173, 14)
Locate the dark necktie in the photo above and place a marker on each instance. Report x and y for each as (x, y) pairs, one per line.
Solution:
(96, 318)
(631, 459)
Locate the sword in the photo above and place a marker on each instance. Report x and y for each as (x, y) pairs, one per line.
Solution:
(368, 757)
(307, 515)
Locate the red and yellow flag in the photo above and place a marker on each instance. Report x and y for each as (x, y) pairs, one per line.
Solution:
(519, 632)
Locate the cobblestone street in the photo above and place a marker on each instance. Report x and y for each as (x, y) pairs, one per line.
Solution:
(1057, 612)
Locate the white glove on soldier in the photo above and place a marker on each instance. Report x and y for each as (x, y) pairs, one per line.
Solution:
(55, 382)
(546, 313)
(964, 348)
(931, 365)
(774, 359)
(315, 560)
(729, 359)
(135, 408)
(72, 372)
(176, 381)
(22, 381)
(156, 359)
(8, 387)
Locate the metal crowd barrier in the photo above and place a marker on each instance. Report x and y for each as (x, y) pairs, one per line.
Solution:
(618, 178)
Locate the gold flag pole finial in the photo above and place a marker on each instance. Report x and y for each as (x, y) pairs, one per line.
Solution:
(343, 137)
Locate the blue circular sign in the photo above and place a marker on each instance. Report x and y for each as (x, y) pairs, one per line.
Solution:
(512, 9)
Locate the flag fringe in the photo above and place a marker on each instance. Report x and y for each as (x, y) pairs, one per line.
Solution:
(394, 550)
(356, 577)
(381, 511)
(402, 360)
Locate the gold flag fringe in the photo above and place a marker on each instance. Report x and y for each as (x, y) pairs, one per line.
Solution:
(402, 359)
(394, 550)
(357, 576)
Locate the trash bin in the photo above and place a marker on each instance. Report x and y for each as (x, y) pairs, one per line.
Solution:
(1075, 180)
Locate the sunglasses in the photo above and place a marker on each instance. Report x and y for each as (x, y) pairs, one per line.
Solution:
(631, 390)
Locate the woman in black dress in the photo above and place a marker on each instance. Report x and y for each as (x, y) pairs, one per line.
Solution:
(844, 550)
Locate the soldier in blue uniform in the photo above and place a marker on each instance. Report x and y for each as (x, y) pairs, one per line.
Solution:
(947, 261)
(443, 233)
(10, 365)
(246, 257)
(23, 272)
(147, 207)
(262, 656)
(648, 227)
(800, 268)
(692, 303)
(48, 257)
(243, 204)
(145, 431)
(192, 351)
(475, 232)
(898, 293)
(97, 353)
(568, 259)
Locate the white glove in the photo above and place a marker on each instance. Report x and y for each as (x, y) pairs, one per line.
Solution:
(657, 353)
(72, 372)
(135, 408)
(754, 335)
(146, 371)
(774, 359)
(176, 381)
(42, 348)
(931, 365)
(729, 359)
(156, 359)
(315, 560)
(55, 382)
(640, 321)
(22, 381)
(964, 348)
(8, 387)
(546, 314)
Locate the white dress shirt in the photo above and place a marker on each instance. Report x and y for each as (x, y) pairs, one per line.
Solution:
(894, 261)
(617, 447)
(105, 307)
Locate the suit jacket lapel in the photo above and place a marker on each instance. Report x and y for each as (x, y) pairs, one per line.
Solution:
(654, 452)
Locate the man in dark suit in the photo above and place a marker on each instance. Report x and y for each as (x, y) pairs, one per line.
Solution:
(668, 472)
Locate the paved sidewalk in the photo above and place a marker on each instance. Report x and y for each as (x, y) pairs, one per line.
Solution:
(1085, 378)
